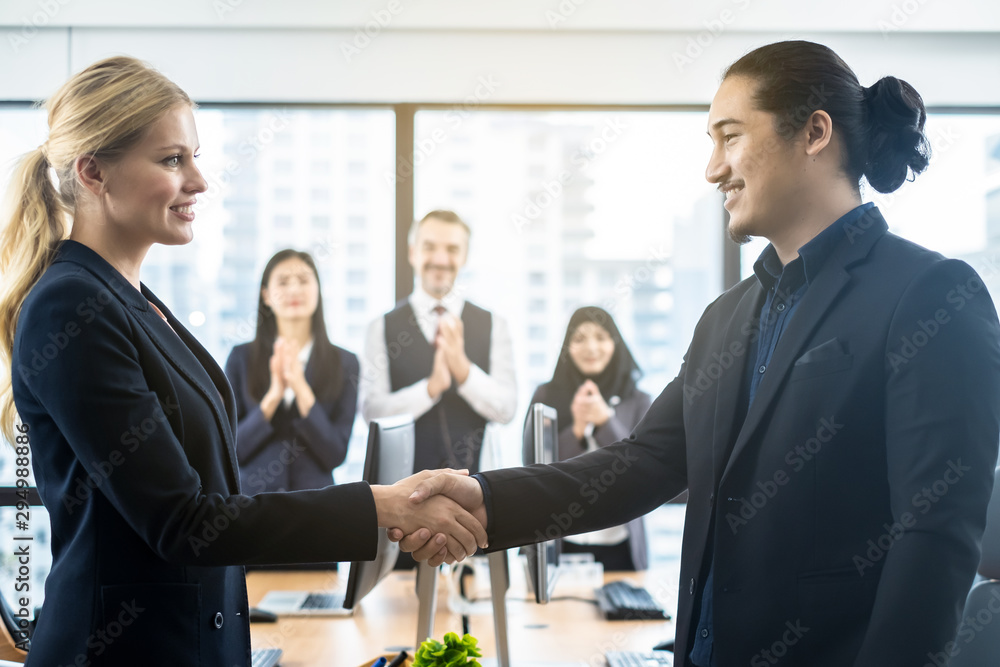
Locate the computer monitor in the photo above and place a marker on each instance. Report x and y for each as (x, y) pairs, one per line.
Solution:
(389, 459)
(540, 446)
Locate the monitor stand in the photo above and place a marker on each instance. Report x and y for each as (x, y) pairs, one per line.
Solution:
(427, 579)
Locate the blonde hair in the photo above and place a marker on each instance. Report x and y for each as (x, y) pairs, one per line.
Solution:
(101, 112)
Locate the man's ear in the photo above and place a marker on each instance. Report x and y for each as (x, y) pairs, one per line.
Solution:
(819, 132)
(92, 173)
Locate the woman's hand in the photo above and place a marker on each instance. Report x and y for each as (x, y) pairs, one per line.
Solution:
(588, 407)
(294, 376)
(276, 390)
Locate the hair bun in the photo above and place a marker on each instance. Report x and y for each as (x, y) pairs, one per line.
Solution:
(897, 144)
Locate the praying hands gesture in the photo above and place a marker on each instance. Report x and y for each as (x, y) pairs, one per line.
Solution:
(455, 489)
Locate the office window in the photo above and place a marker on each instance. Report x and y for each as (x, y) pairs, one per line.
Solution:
(536, 306)
(283, 221)
(586, 194)
(356, 222)
(953, 206)
(356, 277)
(283, 195)
(355, 305)
(320, 221)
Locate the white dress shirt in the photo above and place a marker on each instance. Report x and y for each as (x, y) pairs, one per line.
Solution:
(492, 395)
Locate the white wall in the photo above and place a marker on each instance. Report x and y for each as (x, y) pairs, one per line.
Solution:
(518, 51)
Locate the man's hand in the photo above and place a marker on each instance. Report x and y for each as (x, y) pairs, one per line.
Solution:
(423, 543)
(451, 340)
(438, 515)
(440, 378)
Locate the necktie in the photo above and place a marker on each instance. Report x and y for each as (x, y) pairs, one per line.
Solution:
(439, 310)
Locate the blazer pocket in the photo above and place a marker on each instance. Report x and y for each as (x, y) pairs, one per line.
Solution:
(140, 621)
(810, 369)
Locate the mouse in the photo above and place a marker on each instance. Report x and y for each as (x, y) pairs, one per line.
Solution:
(667, 645)
(258, 615)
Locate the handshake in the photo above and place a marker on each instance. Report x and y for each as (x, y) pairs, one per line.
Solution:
(438, 515)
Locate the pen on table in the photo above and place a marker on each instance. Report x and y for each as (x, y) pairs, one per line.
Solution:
(380, 662)
(398, 660)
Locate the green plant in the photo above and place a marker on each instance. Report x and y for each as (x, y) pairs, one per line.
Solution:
(454, 652)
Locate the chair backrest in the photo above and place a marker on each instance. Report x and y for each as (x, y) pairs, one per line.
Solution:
(989, 564)
(977, 643)
(10, 636)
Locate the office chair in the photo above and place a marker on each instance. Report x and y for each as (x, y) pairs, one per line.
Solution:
(8, 630)
(978, 643)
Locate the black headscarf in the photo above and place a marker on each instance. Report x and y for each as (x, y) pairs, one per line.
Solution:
(617, 379)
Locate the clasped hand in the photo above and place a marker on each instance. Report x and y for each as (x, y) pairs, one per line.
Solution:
(438, 515)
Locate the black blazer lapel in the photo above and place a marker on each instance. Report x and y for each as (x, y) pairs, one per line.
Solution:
(175, 346)
(729, 408)
(833, 277)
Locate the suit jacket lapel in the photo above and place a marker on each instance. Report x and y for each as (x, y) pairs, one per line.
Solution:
(729, 411)
(175, 346)
(822, 292)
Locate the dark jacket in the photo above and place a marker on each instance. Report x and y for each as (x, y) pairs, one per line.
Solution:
(290, 452)
(627, 414)
(131, 427)
(850, 502)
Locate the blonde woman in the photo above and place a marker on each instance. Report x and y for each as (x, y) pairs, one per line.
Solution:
(119, 400)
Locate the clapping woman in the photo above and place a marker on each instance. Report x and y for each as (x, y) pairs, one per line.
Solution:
(296, 392)
(593, 389)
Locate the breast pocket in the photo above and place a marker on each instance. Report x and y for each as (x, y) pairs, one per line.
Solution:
(824, 359)
(146, 623)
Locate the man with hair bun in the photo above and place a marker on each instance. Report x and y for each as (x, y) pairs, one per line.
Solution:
(840, 468)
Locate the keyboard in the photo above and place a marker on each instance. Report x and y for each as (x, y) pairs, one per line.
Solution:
(265, 657)
(323, 601)
(638, 659)
(621, 601)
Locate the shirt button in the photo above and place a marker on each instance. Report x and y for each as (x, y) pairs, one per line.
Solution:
(691, 587)
(762, 368)
(704, 632)
(218, 619)
(780, 307)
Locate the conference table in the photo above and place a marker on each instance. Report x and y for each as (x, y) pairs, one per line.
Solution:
(569, 630)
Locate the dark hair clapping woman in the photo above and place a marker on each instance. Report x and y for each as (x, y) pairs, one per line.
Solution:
(296, 392)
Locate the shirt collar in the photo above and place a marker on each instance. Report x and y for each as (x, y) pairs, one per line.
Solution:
(423, 303)
(812, 255)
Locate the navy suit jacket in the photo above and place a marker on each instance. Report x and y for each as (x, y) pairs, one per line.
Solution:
(289, 452)
(131, 428)
(849, 503)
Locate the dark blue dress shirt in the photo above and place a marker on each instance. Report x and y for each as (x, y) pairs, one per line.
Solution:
(785, 286)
